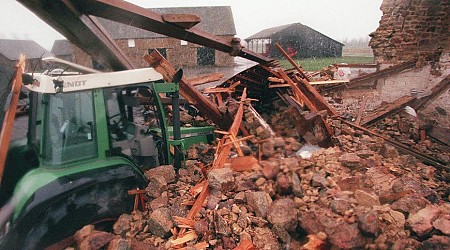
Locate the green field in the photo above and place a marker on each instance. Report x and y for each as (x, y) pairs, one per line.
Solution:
(313, 64)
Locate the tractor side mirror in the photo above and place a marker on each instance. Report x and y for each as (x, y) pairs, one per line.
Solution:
(177, 76)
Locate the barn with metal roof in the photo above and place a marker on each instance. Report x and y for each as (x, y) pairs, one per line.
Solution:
(11, 49)
(299, 40)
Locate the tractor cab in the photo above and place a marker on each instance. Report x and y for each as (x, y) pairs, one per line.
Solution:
(104, 114)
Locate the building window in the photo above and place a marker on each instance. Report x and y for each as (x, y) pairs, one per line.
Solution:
(205, 56)
(161, 51)
(131, 43)
(183, 42)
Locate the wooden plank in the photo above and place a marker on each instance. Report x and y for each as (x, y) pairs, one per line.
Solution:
(222, 154)
(241, 139)
(275, 79)
(301, 97)
(219, 99)
(381, 73)
(361, 110)
(249, 79)
(279, 86)
(314, 96)
(184, 221)
(285, 54)
(270, 70)
(219, 161)
(217, 90)
(329, 82)
(185, 21)
(205, 79)
(8, 122)
(387, 110)
(234, 85)
(191, 235)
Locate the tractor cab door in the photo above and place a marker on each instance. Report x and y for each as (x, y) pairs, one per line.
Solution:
(69, 128)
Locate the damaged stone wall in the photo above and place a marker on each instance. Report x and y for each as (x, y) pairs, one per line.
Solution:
(418, 81)
(411, 28)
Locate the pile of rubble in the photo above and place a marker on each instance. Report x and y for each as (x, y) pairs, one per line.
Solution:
(359, 194)
(291, 173)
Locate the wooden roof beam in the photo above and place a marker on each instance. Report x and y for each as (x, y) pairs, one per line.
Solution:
(7, 126)
(208, 108)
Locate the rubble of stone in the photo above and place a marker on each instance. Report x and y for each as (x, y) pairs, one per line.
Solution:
(361, 193)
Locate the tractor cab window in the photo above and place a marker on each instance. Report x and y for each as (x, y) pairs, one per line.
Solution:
(128, 109)
(130, 116)
(69, 128)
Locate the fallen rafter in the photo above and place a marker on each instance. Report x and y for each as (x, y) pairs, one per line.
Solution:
(402, 147)
(193, 96)
(387, 110)
(11, 107)
(381, 73)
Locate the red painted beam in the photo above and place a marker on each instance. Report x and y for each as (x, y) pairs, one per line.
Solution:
(139, 17)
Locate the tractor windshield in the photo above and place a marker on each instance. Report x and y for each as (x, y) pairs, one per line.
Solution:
(68, 128)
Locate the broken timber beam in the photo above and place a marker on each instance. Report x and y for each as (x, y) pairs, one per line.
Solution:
(300, 96)
(387, 110)
(399, 104)
(185, 21)
(401, 147)
(82, 30)
(438, 89)
(233, 131)
(314, 96)
(286, 55)
(11, 107)
(304, 84)
(193, 96)
(123, 12)
(381, 73)
(440, 134)
(219, 160)
(361, 110)
(205, 79)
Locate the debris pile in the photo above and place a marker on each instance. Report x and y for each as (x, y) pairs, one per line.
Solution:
(291, 173)
(363, 194)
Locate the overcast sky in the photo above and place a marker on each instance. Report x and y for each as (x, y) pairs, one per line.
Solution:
(338, 19)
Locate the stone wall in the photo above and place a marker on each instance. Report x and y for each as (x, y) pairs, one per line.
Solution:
(412, 28)
(178, 54)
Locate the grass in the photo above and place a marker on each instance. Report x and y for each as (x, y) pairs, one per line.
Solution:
(313, 64)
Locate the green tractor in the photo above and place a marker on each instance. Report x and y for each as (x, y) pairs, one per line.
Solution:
(86, 146)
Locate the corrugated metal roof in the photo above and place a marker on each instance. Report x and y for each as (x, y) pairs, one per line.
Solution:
(12, 49)
(217, 20)
(268, 33)
(62, 47)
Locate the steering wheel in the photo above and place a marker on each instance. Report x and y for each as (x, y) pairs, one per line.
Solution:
(116, 115)
(115, 127)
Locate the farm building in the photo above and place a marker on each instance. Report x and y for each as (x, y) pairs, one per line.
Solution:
(62, 49)
(136, 42)
(10, 51)
(297, 39)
